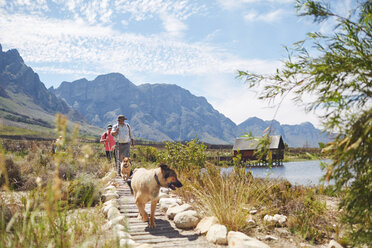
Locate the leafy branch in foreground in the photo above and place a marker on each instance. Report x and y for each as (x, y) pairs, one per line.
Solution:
(336, 71)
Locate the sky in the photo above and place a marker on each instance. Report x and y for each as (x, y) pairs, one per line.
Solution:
(196, 44)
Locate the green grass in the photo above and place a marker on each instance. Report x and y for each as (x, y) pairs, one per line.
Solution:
(59, 194)
(18, 131)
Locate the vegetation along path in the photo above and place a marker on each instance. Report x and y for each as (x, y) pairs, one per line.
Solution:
(165, 234)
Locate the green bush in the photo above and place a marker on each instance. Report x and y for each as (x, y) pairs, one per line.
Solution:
(83, 193)
(188, 157)
(145, 154)
(307, 218)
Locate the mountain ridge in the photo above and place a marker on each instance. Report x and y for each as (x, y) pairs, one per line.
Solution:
(158, 112)
(165, 112)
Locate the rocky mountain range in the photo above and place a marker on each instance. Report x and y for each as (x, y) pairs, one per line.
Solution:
(26, 105)
(158, 112)
(168, 112)
(17, 79)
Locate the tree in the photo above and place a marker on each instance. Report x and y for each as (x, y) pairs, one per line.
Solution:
(337, 70)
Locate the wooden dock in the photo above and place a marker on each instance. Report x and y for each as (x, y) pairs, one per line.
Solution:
(165, 234)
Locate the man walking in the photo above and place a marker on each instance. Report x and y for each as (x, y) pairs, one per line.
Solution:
(109, 142)
(124, 138)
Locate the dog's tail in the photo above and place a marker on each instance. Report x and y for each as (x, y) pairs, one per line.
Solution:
(129, 182)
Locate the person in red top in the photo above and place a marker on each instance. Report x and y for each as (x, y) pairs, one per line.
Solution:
(109, 142)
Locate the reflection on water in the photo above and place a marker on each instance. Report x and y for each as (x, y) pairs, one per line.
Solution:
(303, 172)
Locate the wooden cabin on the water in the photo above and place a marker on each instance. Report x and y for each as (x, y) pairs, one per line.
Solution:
(247, 147)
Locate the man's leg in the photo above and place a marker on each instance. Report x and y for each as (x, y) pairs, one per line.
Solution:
(117, 158)
(122, 148)
(126, 150)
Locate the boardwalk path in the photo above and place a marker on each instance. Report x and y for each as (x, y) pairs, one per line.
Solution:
(165, 234)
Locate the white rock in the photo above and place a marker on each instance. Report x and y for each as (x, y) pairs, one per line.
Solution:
(123, 235)
(205, 224)
(105, 209)
(118, 227)
(217, 234)
(110, 202)
(268, 218)
(172, 211)
(127, 243)
(107, 226)
(279, 218)
(110, 195)
(186, 220)
(109, 188)
(253, 211)
(251, 222)
(240, 240)
(334, 244)
(165, 203)
(112, 213)
(269, 237)
(117, 220)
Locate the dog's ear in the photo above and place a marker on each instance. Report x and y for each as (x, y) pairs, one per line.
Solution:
(164, 167)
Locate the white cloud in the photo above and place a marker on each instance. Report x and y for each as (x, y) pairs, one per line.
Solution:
(147, 9)
(267, 17)
(101, 48)
(236, 4)
(173, 26)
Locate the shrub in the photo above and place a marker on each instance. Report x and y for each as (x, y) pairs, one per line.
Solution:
(307, 218)
(190, 156)
(224, 196)
(146, 154)
(83, 193)
(11, 174)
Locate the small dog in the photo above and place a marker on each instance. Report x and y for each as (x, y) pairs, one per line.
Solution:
(125, 168)
(145, 185)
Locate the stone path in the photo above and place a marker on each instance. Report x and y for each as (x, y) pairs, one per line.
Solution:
(165, 234)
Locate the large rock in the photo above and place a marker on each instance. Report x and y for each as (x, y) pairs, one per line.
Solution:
(240, 240)
(165, 203)
(112, 213)
(174, 210)
(186, 220)
(117, 220)
(205, 224)
(217, 234)
(110, 195)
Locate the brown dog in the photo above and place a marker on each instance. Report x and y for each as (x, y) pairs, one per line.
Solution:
(146, 186)
(125, 168)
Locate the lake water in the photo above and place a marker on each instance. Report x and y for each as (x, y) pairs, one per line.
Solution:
(302, 173)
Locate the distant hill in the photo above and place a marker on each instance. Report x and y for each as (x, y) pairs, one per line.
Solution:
(25, 102)
(301, 135)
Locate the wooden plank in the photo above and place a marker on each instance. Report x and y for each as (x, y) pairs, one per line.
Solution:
(165, 234)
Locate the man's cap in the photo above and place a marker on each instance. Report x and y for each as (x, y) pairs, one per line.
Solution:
(122, 117)
(109, 126)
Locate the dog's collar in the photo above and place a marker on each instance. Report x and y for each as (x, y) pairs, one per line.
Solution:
(157, 179)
